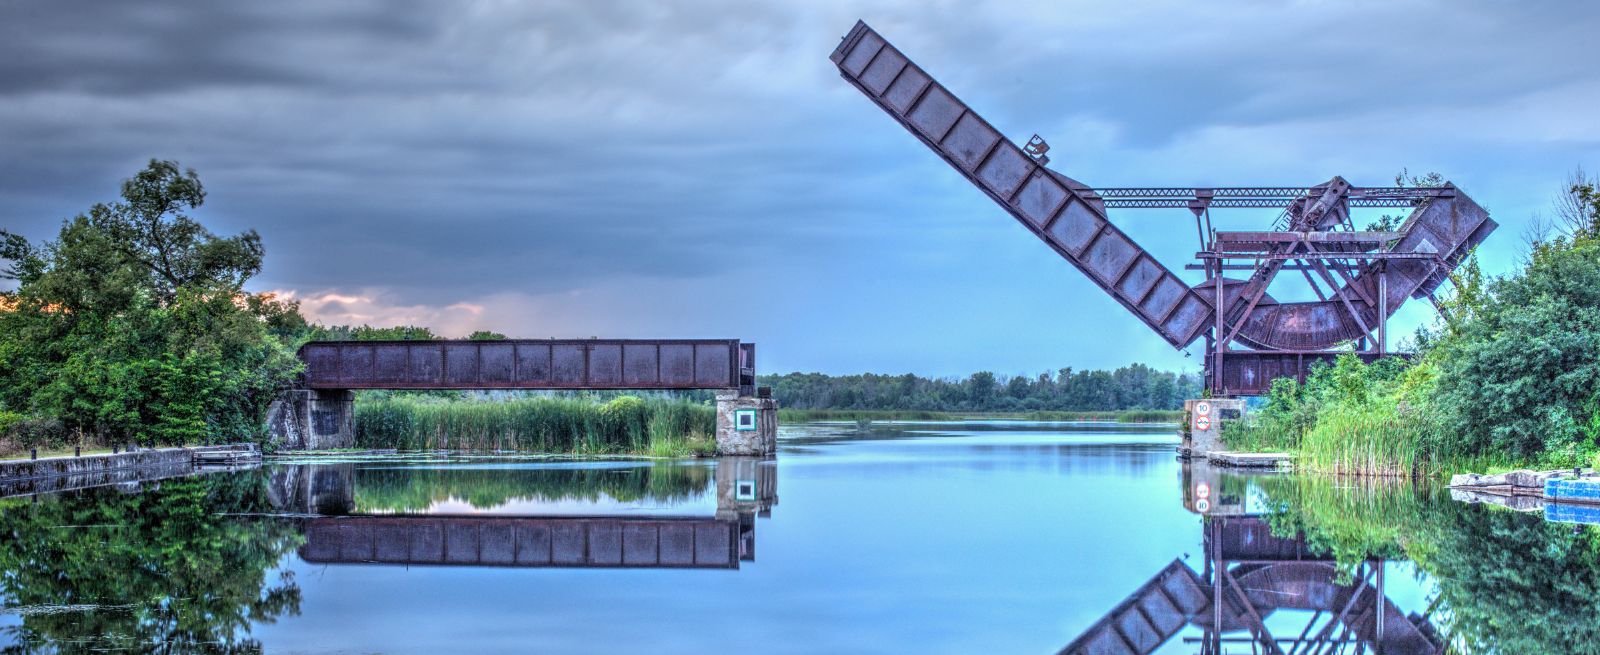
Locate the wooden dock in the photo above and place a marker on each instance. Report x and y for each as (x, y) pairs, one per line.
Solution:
(227, 456)
(1250, 460)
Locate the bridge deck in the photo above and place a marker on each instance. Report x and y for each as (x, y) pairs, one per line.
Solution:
(596, 542)
(531, 364)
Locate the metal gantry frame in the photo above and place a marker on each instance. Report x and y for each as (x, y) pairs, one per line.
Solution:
(1305, 252)
(1367, 274)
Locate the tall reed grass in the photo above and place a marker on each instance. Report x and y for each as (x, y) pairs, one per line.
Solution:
(548, 425)
(1344, 439)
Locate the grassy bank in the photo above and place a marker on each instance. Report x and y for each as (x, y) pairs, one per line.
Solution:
(627, 424)
(1358, 419)
(1122, 416)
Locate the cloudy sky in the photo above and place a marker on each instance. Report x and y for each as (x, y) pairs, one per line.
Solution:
(656, 169)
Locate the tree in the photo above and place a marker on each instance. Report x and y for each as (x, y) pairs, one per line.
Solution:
(1520, 377)
(133, 323)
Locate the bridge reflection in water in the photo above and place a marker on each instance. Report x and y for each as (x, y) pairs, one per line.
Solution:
(1252, 583)
(337, 531)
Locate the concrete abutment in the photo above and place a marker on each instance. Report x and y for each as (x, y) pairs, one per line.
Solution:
(1202, 428)
(746, 425)
(313, 419)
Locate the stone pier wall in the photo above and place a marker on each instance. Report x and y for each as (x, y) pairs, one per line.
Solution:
(313, 419)
(746, 425)
(28, 476)
(1203, 419)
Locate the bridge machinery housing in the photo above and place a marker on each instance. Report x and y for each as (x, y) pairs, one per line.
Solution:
(1358, 277)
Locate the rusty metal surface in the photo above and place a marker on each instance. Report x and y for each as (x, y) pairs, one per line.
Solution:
(1060, 211)
(531, 364)
(1249, 373)
(1257, 197)
(1367, 275)
(586, 542)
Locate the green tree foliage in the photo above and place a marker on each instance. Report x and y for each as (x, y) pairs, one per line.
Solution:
(1130, 387)
(133, 323)
(1523, 375)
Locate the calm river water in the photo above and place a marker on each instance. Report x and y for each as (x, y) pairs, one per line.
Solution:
(984, 537)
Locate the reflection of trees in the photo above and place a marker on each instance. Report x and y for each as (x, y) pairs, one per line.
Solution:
(416, 489)
(159, 570)
(1507, 582)
(1514, 583)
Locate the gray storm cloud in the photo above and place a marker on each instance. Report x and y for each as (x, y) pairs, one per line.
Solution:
(697, 169)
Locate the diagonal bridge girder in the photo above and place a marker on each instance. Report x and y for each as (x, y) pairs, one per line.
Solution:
(1070, 217)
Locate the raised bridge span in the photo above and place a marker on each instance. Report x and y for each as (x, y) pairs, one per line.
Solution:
(318, 413)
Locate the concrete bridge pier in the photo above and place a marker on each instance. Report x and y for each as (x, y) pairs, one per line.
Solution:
(313, 419)
(1202, 427)
(746, 425)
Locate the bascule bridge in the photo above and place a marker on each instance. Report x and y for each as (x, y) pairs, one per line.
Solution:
(1358, 277)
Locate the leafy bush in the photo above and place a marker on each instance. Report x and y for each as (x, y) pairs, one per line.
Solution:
(1523, 377)
(33, 432)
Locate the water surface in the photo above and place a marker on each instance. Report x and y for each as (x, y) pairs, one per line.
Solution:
(1001, 536)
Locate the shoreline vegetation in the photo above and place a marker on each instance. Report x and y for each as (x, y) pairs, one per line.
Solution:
(1508, 377)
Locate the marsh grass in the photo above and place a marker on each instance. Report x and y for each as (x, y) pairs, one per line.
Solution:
(1366, 441)
(624, 424)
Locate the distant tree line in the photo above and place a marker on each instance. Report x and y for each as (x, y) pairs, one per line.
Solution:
(1131, 387)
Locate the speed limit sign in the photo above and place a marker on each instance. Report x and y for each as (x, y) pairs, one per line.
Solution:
(1202, 408)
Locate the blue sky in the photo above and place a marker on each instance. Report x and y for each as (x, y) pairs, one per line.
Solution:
(651, 169)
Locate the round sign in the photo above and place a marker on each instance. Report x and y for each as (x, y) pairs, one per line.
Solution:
(1202, 490)
(1202, 505)
(1202, 408)
(1202, 423)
